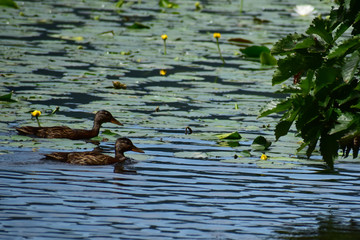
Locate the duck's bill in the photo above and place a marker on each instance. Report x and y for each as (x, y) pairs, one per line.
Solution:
(114, 121)
(136, 149)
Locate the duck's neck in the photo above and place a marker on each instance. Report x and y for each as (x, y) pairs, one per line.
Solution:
(96, 129)
(120, 156)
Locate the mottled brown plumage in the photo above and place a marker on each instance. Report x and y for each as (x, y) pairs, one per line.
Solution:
(101, 117)
(95, 157)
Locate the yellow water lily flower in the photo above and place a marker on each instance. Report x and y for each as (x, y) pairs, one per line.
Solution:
(162, 72)
(217, 35)
(36, 113)
(263, 157)
(164, 37)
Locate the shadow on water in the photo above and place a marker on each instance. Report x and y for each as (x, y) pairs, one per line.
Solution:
(330, 227)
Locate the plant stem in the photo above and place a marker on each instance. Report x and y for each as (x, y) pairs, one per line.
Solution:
(241, 6)
(37, 119)
(218, 45)
(164, 47)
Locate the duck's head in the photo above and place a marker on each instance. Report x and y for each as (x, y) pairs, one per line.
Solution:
(124, 144)
(104, 116)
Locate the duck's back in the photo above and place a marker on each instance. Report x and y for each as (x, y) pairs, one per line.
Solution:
(56, 132)
(82, 158)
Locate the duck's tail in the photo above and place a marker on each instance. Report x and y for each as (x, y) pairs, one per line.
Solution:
(28, 130)
(58, 156)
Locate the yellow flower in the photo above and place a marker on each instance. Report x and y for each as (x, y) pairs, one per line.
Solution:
(164, 37)
(263, 157)
(36, 113)
(217, 35)
(162, 72)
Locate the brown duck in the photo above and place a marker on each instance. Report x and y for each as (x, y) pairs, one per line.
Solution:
(101, 117)
(95, 157)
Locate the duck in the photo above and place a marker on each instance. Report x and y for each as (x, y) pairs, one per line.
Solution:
(101, 117)
(95, 157)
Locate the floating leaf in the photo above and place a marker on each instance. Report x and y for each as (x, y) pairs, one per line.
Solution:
(138, 25)
(233, 135)
(9, 3)
(7, 97)
(254, 51)
(261, 143)
(108, 132)
(167, 4)
(239, 40)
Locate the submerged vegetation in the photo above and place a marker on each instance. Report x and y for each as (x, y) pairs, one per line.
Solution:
(325, 91)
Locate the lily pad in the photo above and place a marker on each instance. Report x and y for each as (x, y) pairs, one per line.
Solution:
(138, 25)
(261, 143)
(7, 97)
(233, 135)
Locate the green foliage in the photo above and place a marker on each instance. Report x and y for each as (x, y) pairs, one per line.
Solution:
(325, 92)
(8, 3)
(254, 51)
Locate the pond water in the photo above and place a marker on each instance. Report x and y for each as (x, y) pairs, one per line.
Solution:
(185, 186)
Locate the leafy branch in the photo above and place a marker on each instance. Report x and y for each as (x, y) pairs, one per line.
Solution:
(324, 101)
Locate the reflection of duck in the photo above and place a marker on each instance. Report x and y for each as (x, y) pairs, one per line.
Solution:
(95, 157)
(101, 117)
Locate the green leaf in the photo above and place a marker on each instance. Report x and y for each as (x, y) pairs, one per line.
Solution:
(108, 132)
(138, 25)
(306, 43)
(282, 128)
(288, 67)
(307, 83)
(261, 143)
(325, 76)
(167, 4)
(267, 59)
(119, 3)
(9, 3)
(275, 107)
(287, 44)
(233, 135)
(7, 97)
(328, 149)
(345, 48)
(350, 66)
(254, 51)
(319, 27)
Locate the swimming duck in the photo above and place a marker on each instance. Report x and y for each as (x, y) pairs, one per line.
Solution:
(95, 157)
(101, 117)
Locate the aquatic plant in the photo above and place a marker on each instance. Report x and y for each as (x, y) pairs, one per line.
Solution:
(325, 90)
(164, 37)
(36, 114)
(217, 36)
(162, 72)
(263, 157)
